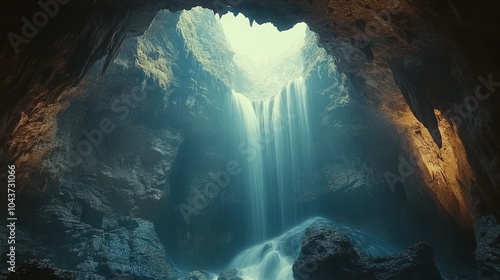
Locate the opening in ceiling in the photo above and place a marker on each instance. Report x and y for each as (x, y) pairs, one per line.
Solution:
(261, 45)
(269, 57)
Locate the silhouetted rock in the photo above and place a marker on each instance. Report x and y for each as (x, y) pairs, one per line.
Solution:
(327, 253)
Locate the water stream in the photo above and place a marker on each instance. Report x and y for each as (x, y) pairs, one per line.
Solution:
(273, 136)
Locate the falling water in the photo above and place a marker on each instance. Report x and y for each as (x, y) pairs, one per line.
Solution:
(249, 137)
(274, 258)
(273, 136)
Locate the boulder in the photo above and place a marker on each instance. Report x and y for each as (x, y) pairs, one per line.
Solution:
(328, 253)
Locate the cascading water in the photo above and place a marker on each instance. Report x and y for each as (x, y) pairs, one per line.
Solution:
(273, 136)
(248, 137)
(274, 258)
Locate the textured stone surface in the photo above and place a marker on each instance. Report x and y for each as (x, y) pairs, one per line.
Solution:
(327, 253)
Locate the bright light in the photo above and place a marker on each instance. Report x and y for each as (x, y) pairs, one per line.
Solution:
(261, 43)
(269, 57)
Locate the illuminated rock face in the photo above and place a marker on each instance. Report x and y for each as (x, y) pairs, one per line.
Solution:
(407, 62)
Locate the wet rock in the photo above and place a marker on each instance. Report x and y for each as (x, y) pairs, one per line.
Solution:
(328, 253)
(230, 274)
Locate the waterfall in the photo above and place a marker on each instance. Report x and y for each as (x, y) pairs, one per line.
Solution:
(273, 137)
(273, 141)
(274, 258)
(248, 137)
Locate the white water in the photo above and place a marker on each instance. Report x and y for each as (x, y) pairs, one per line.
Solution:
(273, 259)
(245, 117)
(273, 136)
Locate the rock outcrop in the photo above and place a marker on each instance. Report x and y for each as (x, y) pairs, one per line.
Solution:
(101, 179)
(327, 253)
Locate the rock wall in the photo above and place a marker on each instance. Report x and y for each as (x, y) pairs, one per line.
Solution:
(101, 180)
(421, 66)
(368, 177)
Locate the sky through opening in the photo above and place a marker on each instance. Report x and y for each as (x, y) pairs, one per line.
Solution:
(261, 43)
(268, 56)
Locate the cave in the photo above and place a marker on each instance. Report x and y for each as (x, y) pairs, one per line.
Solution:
(250, 140)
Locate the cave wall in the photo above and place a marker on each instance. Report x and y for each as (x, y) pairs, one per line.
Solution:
(410, 60)
(100, 180)
(358, 150)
